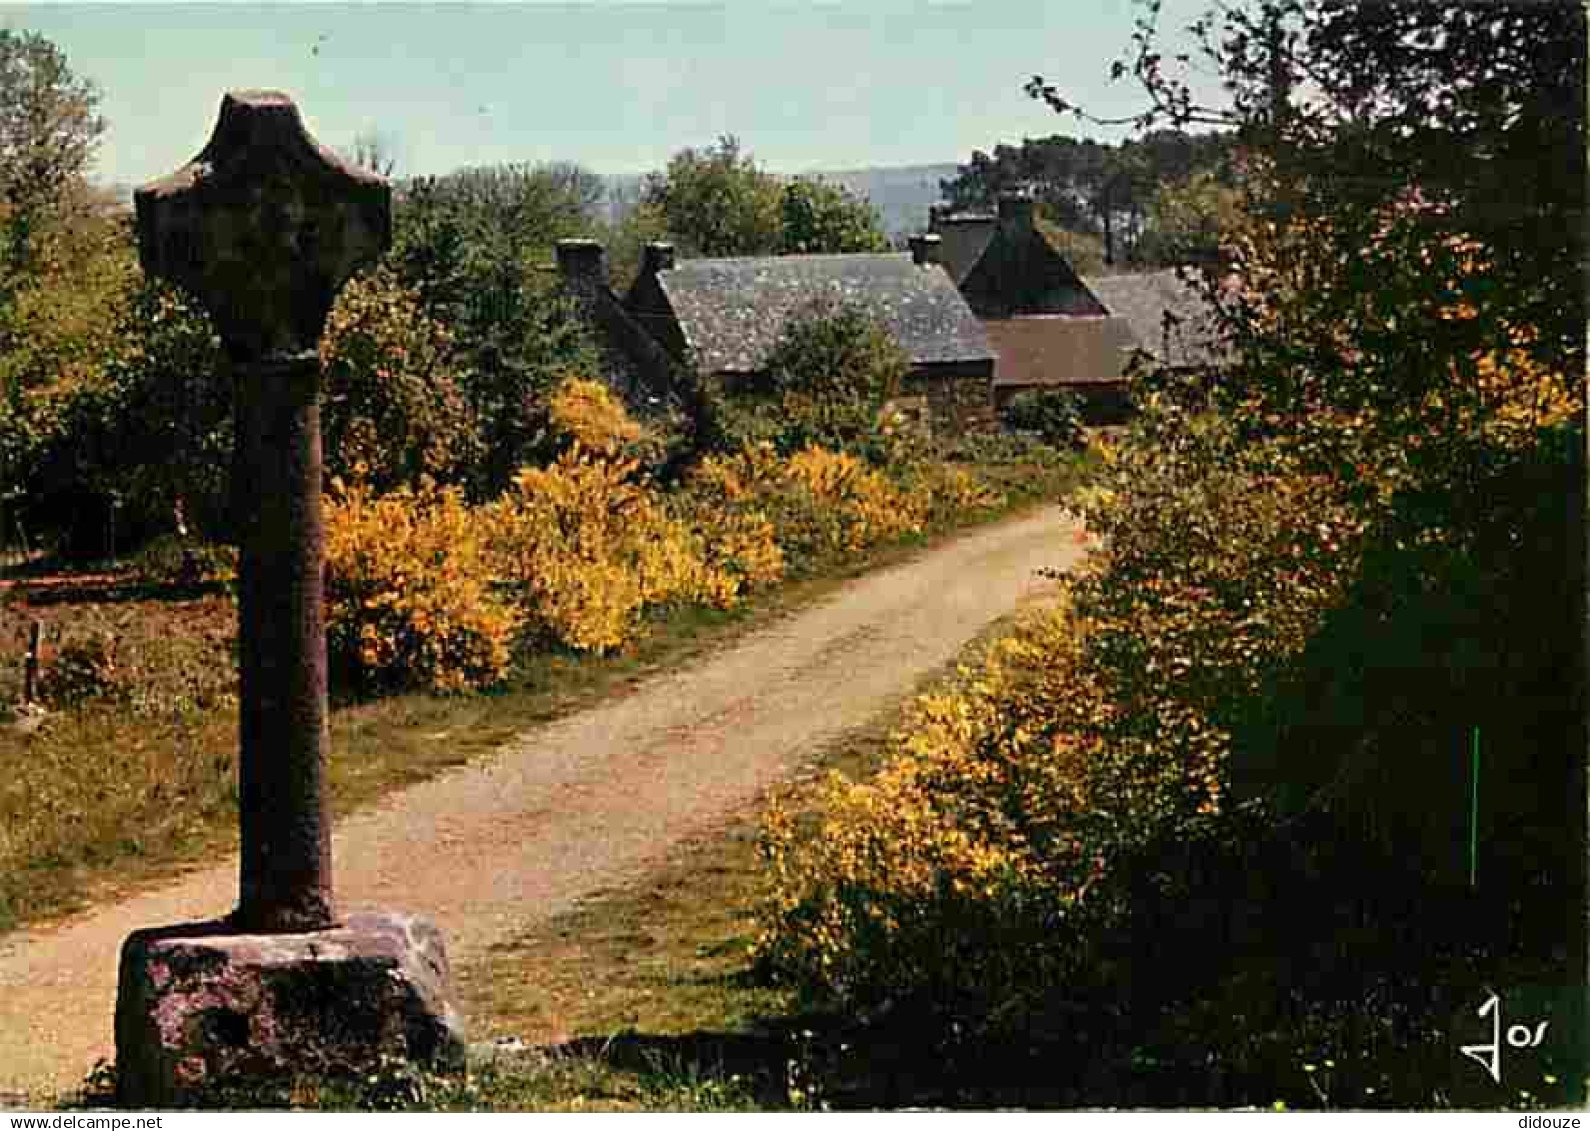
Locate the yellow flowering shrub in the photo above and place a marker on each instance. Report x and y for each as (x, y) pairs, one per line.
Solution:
(844, 504)
(394, 407)
(590, 548)
(958, 872)
(588, 414)
(950, 493)
(1521, 396)
(409, 596)
(762, 510)
(985, 864)
(743, 544)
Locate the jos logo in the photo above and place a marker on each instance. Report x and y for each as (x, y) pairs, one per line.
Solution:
(1518, 1036)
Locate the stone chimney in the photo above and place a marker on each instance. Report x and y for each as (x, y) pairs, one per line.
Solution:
(925, 249)
(1015, 214)
(583, 265)
(657, 257)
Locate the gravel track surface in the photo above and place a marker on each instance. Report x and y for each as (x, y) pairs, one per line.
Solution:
(577, 805)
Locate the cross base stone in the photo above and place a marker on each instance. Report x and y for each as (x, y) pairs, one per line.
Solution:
(201, 1011)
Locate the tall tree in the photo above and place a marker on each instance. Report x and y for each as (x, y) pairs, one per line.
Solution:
(818, 217)
(1480, 105)
(717, 201)
(1406, 313)
(470, 245)
(49, 130)
(49, 121)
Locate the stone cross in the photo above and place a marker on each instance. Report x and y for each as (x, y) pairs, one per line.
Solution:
(263, 228)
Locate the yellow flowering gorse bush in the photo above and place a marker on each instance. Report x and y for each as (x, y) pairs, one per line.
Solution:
(574, 553)
(816, 503)
(973, 832)
(588, 414)
(590, 548)
(409, 595)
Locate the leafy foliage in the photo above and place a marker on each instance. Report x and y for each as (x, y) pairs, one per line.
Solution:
(143, 434)
(1092, 188)
(1055, 415)
(822, 218)
(1315, 575)
(53, 325)
(1190, 220)
(626, 241)
(718, 201)
(468, 245)
(49, 129)
(394, 409)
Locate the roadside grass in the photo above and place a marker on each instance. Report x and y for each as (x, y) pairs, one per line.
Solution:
(139, 781)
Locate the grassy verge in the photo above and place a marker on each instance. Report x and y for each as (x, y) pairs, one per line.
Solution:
(107, 799)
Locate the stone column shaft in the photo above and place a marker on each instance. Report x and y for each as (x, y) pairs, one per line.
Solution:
(285, 881)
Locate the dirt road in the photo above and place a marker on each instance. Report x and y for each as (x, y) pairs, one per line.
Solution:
(580, 804)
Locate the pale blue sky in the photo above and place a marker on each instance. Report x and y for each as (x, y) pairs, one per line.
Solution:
(617, 87)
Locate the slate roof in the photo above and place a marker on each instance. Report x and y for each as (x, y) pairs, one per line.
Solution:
(1167, 315)
(1060, 349)
(1008, 268)
(963, 237)
(1021, 273)
(732, 311)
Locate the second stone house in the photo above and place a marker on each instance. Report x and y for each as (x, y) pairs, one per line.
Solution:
(1047, 328)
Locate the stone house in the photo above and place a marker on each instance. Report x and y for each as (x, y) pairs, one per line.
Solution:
(983, 305)
(1050, 327)
(1047, 328)
(725, 315)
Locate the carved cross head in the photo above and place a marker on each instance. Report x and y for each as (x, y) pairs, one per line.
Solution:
(264, 226)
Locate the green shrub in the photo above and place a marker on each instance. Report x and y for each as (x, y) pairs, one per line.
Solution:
(1054, 415)
(393, 406)
(826, 382)
(148, 429)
